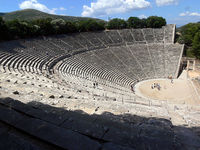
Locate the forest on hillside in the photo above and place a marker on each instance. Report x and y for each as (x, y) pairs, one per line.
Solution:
(190, 36)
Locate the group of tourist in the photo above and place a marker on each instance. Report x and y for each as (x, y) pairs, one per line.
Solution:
(156, 85)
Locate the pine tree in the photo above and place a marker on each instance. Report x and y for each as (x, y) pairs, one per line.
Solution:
(196, 45)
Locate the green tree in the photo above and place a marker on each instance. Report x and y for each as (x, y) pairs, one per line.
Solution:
(81, 26)
(155, 22)
(90, 25)
(3, 30)
(19, 29)
(143, 23)
(35, 30)
(45, 26)
(58, 25)
(196, 45)
(188, 35)
(70, 27)
(188, 32)
(135, 22)
(116, 24)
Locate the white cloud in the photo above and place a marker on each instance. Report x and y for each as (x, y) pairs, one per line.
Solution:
(34, 4)
(187, 13)
(62, 8)
(166, 2)
(142, 16)
(108, 7)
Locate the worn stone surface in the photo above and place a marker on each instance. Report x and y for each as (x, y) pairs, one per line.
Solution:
(12, 139)
(58, 136)
(84, 124)
(10, 116)
(111, 146)
(186, 138)
(48, 132)
(12, 142)
(77, 128)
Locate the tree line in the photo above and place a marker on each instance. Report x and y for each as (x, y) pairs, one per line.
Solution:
(16, 29)
(135, 22)
(190, 36)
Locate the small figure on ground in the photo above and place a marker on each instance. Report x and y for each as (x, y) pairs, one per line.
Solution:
(172, 80)
(154, 85)
(94, 85)
(132, 88)
(158, 87)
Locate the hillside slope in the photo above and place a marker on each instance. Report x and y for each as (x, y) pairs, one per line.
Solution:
(32, 14)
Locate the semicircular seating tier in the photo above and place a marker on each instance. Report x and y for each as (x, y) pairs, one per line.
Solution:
(115, 58)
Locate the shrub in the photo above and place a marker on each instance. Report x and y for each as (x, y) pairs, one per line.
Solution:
(116, 24)
(155, 22)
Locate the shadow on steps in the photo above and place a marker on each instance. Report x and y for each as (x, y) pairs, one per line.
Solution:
(39, 126)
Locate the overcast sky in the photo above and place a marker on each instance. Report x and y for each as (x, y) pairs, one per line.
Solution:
(177, 12)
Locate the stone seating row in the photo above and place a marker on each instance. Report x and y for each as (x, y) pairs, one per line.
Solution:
(98, 61)
(113, 88)
(174, 54)
(115, 97)
(60, 44)
(92, 40)
(53, 45)
(90, 59)
(130, 63)
(169, 33)
(20, 63)
(79, 126)
(121, 37)
(102, 90)
(125, 99)
(69, 69)
(151, 62)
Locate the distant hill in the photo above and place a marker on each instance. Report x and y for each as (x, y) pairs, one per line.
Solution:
(32, 14)
(179, 29)
(1, 14)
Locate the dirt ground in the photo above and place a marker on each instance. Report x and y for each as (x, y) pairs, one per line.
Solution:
(178, 92)
(194, 74)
